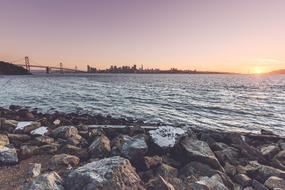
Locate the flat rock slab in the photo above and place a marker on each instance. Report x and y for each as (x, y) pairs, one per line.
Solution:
(109, 174)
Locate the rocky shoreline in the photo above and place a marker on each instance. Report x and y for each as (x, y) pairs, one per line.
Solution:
(82, 152)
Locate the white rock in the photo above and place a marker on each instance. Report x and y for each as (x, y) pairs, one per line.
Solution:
(8, 155)
(22, 124)
(39, 131)
(166, 136)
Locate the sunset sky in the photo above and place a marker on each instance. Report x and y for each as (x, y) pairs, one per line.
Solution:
(217, 35)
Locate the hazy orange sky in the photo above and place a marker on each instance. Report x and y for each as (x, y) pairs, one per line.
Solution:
(217, 35)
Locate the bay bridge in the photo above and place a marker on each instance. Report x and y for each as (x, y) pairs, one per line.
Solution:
(28, 64)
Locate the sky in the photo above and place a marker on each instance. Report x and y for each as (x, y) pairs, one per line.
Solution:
(245, 36)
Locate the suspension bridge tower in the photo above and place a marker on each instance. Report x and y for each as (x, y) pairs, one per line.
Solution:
(61, 67)
(27, 63)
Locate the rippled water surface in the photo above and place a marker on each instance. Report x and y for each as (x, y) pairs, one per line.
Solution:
(231, 102)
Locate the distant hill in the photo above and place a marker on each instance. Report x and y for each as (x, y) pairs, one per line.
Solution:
(10, 69)
(277, 72)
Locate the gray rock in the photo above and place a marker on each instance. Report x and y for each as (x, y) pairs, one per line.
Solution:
(214, 182)
(243, 180)
(34, 169)
(230, 169)
(48, 181)
(159, 183)
(197, 169)
(8, 155)
(82, 153)
(44, 140)
(64, 132)
(269, 150)
(49, 148)
(258, 186)
(4, 140)
(248, 188)
(18, 137)
(275, 182)
(152, 162)
(166, 137)
(63, 161)
(165, 170)
(27, 151)
(8, 125)
(134, 148)
(108, 174)
(200, 151)
(262, 173)
(279, 159)
(229, 154)
(100, 147)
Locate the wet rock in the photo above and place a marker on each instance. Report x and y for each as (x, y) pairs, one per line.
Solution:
(63, 161)
(134, 148)
(159, 183)
(82, 153)
(18, 137)
(152, 162)
(27, 126)
(39, 131)
(100, 147)
(197, 169)
(165, 170)
(8, 155)
(27, 151)
(49, 148)
(229, 154)
(258, 186)
(42, 140)
(64, 132)
(242, 179)
(4, 140)
(166, 137)
(48, 181)
(34, 169)
(269, 150)
(109, 174)
(200, 151)
(275, 182)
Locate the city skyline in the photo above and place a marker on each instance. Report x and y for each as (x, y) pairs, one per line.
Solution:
(238, 36)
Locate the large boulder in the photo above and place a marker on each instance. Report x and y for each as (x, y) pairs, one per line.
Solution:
(275, 182)
(4, 140)
(63, 161)
(100, 147)
(48, 181)
(134, 148)
(108, 174)
(167, 136)
(200, 151)
(8, 155)
(262, 173)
